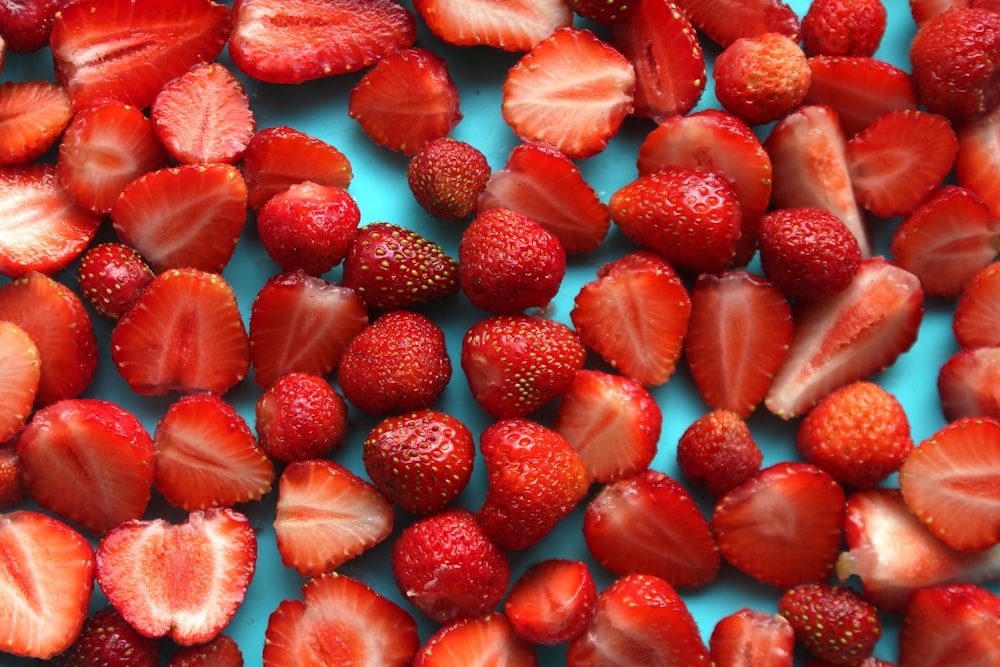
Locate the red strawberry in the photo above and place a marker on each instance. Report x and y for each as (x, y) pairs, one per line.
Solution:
(289, 41)
(11, 479)
(650, 524)
(976, 164)
(107, 640)
(834, 623)
(207, 456)
(223, 651)
(600, 11)
(967, 384)
(300, 417)
(552, 602)
(977, 311)
(476, 642)
(572, 90)
(109, 50)
(352, 623)
(843, 27)
(879, 313)
(513, 26)
(204, 116)
(718, 452)
(613, 423)
(47, 578)
(549, 188)
(111, 276)
(867, 662)
(20, 374)
(327, 515)
(803, 546)
(185, 333)
(33, 115)
(447, 176)
(725, 21)
(957, 624)
(923, 11)
(752, 638)
(25, 26)
(635, 315)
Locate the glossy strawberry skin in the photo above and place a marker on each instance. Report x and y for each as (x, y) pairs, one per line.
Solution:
(107, 640)
(300, 416)
(843, 27)
(834, 623)
(761, 78)
(111, 277)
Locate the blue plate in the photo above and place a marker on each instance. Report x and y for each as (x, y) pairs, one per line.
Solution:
(379, 186)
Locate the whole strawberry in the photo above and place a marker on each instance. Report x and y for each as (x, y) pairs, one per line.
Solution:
(761, 78)
(834, 623)
(223, 651)
(112, 275)
(447, 176)
(718, 452)
(300, 417)
(107, 640)
(11, 483)
(843, 27)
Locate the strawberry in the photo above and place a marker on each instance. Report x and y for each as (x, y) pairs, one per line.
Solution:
(185, 333)
(956, 624)
(446, 177)
(278, 157)
(139, 566)
(480, 641)
(650, 524)
(669, 62)
(111, 276)
(967, 386)
(899, 159)
(548, 187)
(206, 456)
(327, 515)
(642, 616)
(107, 640)
(752, 638)
(612, 421)
(508, 262)
(223, 651)
(11, 479)
(42, 228)
(32, 116)
(25, 26)
(308, 226)
(834, 623)
(515, 26)
(47, 578)
(977, 310)
(976, 163)
(689, 216)
(300, 417)
(923, 11)
(204, 116)
(843, 27)
(397, 364)
(879, 313)
(607, 13)
(183, 217)
(725, 21)
(289, 41)
(760, 78)
(947, 240)
(420, 461)
(324, 316)
(340, 621)
(737, 337)
(21, 374)
(393, 267)
(718, 452)
(406, 100)
(634, 314)
(448, 568)
(534, 480)
(552, 602)
(572, 90)
(109, 50)
(802, 547)
(867, 662)
(516, 364)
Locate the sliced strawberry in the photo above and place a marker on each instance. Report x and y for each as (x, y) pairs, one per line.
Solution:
(291, 41)
(572, 90)
(977, 312)
(725, 21)
(510, 26)
(737, 337)
(20, 373)
(968, 383)
(552, 602)
(47, 578)
(184, 217)
(923, 11)
(185, 333)
(977, 163)
(25, 26)
(849, 336)
(109, 50)
(481, 641)
(340, 621)
(32, 116)
(545, 185)
(954, 624)
(302, 323)
(752, 638)
(223, 651)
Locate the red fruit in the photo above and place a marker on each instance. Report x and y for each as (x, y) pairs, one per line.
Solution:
(611, 421)
(513, 26)
(33, 115)
(185, 333)
(107, 640)
(967, 384)
(552, 602)
(289, 41)
(326, 515)
(421, 461)
(572, 90)
(515, 364)
(11, 480)
(977, 163)
(406, 100)
(879, 313)
(109, 50)
(20, 374)
(635, 315)
(752, 638)
(207, 456)
(47, 578)
(834, 623)
(223, 651)
(957, 624)
(607, 13)
(397, 364)
(650, 524)
(111, 276)
(718, 452)
(725, 21)
(843, 27)
(737, 337)
(803, 546)
(300, 417)
(867, 662)
(923, 11)
(760, 78)
(977, 311)
(25, 26)
(340, 621)
(478, 642)
(446, 177)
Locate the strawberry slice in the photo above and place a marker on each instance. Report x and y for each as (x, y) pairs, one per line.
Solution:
(968, 384)
(955, 624)
(47, 578)
(20, 373)
(223, 651)
(977, 163)
(32, 116)
(572, 90)
(977, 312)
(552, 602)
(478, 641)
(127, 51)
(545, 185)
(340, 621)
(923, 11)
(510, 26)
(725, 21)
(185, 333)
(850, 336)
(752, 638)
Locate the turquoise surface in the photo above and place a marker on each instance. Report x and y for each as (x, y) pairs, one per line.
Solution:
(320, 108)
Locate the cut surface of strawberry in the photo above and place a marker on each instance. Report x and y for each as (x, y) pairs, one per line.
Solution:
(510, 26)
(20, 373)
(977, 311)
(32, 116)
(552, 602)
(956, 623)
(725, 21)
(752, 638)
(479, 641)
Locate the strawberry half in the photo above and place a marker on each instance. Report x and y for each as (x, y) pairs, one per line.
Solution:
(32, 116)
(109, 641)
(977, 311)
(490, 639)
(509, 26)
(954, 624)
(968, 382)
(977, 164)
(725, 21)
(752, 638)
(20, 373)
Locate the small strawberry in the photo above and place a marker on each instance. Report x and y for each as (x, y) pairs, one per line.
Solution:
(299, 417)
(489, 639)
(25, 26)
(967, 384)
(718, 452)
(446, 177)
(552, 602)
(111, 276)
(35, 114)
(608, 13)
(956, 624)
(752, 638)
(720, 21)
(20, 374)
(834, 623)
(223, 651)
(107, 640)
(843, 27)
(977, 311)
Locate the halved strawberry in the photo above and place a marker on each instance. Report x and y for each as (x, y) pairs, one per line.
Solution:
(11, 480)
(977, 163)
(976, 321)
(752, 638)
(954, 624)
(32, 116)
(108, 640)
(510, 26)
(20, 373)
(185, 333)
(725, 21)
(923, 11)
(552, 602)
(478, 641)
(968, 383)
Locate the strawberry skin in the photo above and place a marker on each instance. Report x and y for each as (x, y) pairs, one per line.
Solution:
(19, 378)
(843, 27)
(447, 176)
(223, 651)
(954, 624)
(552, 602)
(834, 623)
(718, 452)
(111, 276)
(490, 639)
(978, 309)
(752, 638)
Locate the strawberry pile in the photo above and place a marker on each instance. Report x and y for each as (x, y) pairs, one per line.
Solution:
(455, 332)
